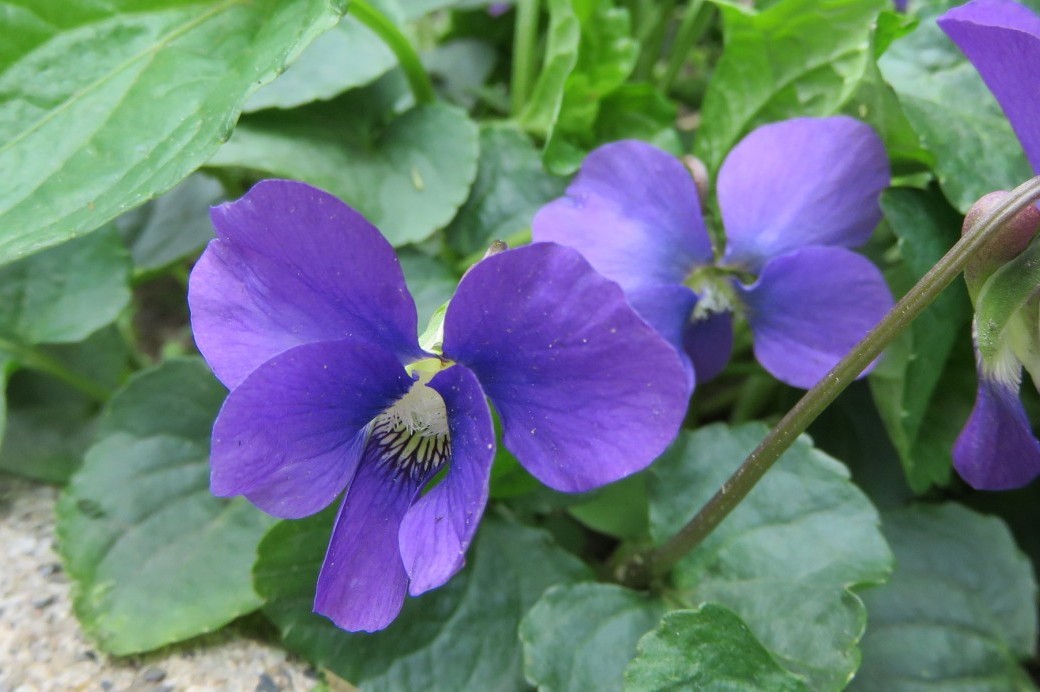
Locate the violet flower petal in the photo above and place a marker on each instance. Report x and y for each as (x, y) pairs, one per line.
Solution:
(997, 450)
(1001, 38)
(588, 393)
(709, 343)
(801, 182)
(293, 265)
(290, 436)
(633, 212)
(810, 307)
(667, 308)
(438, 528)
(362, 583)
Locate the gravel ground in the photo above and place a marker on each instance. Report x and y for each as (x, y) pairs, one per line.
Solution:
(43, 648)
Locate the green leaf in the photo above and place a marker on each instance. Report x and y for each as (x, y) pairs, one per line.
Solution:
(906, 380)
(348, 56)
(957, 118)
(959, 611)
(50, 424)
(797, 57)
(430, 282)
(110, 104)
(154, 557)
(408, 174)
(461, 636)
(606, 57)
(460, 68)
(619, 509)
(66, 293)
(561, 55)
(638, 111)
(580, 636)
(787, 559)
(710, 648)
(6, 367)
(172, 226)
(510, 187)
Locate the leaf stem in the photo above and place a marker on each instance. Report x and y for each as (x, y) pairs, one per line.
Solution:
(397, 42)
(525, 57)
(37, 360)
(641, 568)
(694, 22)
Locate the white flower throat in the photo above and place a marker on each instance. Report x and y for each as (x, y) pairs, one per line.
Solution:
(412, 435)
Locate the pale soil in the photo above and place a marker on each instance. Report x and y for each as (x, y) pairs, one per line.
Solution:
(43, 648)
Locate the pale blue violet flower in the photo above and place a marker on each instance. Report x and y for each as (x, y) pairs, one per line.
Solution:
(300, 307)
(793, 196)
(997, 449)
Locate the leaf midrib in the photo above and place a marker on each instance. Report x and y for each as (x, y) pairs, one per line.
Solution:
(164, 41)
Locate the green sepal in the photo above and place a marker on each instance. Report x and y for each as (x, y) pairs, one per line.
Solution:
(432, 339)
(1007, 311)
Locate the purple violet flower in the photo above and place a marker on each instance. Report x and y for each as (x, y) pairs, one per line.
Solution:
(997, 449)
(301, 309)
(793, 196)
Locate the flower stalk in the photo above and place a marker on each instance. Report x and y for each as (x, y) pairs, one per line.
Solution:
(639, 569)
(37, 360)
(525, 56)
(418, 80)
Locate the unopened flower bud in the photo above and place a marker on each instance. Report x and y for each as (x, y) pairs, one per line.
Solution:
(699, 172)
(1009, 242)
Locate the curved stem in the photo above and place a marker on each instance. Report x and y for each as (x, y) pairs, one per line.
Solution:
(693, 24)
(397, 42)
(525, 57)
(641, 568)
(37, 360)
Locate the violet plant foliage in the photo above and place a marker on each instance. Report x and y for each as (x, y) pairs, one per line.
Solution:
(301, 309)
(794, 196)
(997, 449)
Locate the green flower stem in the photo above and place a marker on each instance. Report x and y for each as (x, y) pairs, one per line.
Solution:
(694, 22)
(651, 35)
(37, 360)
(525, 57)
(641, 568)
(397, 42)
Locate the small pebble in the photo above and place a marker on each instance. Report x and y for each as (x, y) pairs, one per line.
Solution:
(41, 603)
(87, 655)
(107, 685)
(154, 674)
(267, 684)
(50, 568)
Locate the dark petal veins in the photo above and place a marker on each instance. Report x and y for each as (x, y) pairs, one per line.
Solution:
(290, 436)
(438, 529)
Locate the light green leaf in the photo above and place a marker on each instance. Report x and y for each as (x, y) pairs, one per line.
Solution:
(904, 383)
(580, 636)
(561, 55)
(957, 118)
(110, 104)
(348, 56)
(510, 187)
(66, 293)
(959, 611)
(461, 636)
(153, 556)
(797, 57)
(787, 559)
(710, 648)
(172, 226)
(607, 55)
(619, 509)
(408, 174)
